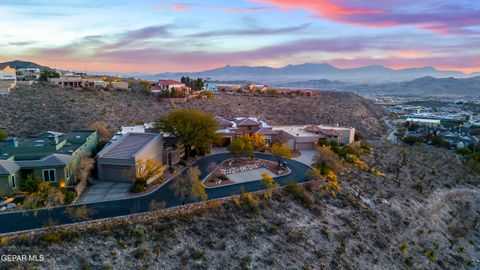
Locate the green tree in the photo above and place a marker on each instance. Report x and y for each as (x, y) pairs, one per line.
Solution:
(45, 75)
(31, 184)
(281, 152)
(193, 128)
(236, 147)
(189, 186)
(3, 135)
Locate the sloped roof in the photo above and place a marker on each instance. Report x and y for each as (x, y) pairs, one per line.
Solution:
(313, 129)
(8, 167)
(329, 132)
(128, 145)
(224, 122)
(168, 82)
(3, 65)
(248, 122)
(54, 133)
(52, 160)
(266, 131)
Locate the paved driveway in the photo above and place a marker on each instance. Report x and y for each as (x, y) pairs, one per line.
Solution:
(104, 191)
(306, 157)
(27, 220)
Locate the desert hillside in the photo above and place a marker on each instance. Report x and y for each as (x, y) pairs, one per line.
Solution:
(32, 109)
(423, 214)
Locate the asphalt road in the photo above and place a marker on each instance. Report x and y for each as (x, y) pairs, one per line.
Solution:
(27, 220)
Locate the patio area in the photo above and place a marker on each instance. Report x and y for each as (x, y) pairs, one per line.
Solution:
(248, 176)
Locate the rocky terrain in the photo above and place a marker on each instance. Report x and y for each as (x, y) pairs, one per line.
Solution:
(29, 110)
(423, 214)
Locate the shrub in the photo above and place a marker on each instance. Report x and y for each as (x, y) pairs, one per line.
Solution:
(69, 196)
(31, 184)
(300, 193)
(52, 237)
(223, 177)
(139, 185)
(250, 200)
(464, 151)
(137, 231)
(430, 254)
(404, 248)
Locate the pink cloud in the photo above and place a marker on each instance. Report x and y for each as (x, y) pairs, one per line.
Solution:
(180, 7)
(441, 16)
(173, 6)
(238, 10)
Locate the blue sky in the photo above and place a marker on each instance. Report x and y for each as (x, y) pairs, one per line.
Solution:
(159, 36)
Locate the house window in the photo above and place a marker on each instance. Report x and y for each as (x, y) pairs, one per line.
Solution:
(268, 139)
(67, 173)
(14, 182)
(49, 175)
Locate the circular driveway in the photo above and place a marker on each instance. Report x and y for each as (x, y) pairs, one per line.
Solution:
(26, 220)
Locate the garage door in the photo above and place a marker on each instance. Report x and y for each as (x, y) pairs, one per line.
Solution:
(305, 146)
(117, 173)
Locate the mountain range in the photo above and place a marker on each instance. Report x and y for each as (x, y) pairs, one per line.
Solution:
(17, 64)
(309, 71)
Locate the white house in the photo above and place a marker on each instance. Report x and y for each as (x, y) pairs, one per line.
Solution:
(8, 78)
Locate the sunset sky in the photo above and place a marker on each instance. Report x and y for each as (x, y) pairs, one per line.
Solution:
(192, 35)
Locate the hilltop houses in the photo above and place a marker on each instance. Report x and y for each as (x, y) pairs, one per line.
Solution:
(52, 156)
(8, 78)
(297, 137)
(307, 137)
(77, 82)
(28, 74)
(239, 126)
(170, 85)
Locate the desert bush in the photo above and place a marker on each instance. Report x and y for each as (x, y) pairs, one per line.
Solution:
(69, 196)
(223, 177)
(325, 159)
(430, 254)
(138, 231)
(138, 186)
(250, 200)
(300, 193)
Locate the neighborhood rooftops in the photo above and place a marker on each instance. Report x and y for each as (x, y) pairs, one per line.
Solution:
(128, 145)
(49, 161)
(169, 82)
(309, 130)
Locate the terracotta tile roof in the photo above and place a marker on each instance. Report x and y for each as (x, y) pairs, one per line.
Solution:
(329, 132)
(168, 82)
(266, 131)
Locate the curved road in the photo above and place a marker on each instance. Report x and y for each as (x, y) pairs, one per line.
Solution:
(20, 221)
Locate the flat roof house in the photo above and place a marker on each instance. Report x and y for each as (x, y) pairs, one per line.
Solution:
(118, 161)
(52, 156)
(306, 137)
